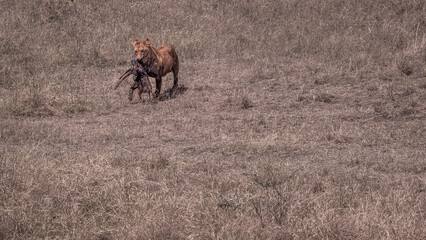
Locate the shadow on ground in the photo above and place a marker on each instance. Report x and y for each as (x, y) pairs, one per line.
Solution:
(169, 94)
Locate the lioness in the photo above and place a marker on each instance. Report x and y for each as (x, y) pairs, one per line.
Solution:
(157, 62)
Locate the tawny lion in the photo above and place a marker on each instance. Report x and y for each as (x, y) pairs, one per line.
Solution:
(157, 62)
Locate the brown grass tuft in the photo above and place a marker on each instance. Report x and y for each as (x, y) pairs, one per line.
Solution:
(245, 102)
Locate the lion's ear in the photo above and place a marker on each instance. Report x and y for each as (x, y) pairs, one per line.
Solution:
(148, 42)
(135, 42)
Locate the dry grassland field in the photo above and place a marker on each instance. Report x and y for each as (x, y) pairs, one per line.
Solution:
(293, 119)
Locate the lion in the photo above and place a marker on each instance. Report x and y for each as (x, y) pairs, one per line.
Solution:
(157, 62)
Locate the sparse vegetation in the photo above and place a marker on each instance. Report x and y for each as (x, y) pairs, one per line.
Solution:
(293, 120)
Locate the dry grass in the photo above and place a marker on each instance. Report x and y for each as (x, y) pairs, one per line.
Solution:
(294, 120)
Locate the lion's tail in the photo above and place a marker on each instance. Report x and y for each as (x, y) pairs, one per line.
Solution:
(176, 61)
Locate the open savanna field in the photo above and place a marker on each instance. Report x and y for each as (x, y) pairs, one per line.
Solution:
(293, 120)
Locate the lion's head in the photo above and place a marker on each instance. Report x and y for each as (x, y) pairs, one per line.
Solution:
(141, 48)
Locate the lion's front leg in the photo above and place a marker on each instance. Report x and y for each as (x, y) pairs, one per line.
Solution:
(157, 86)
